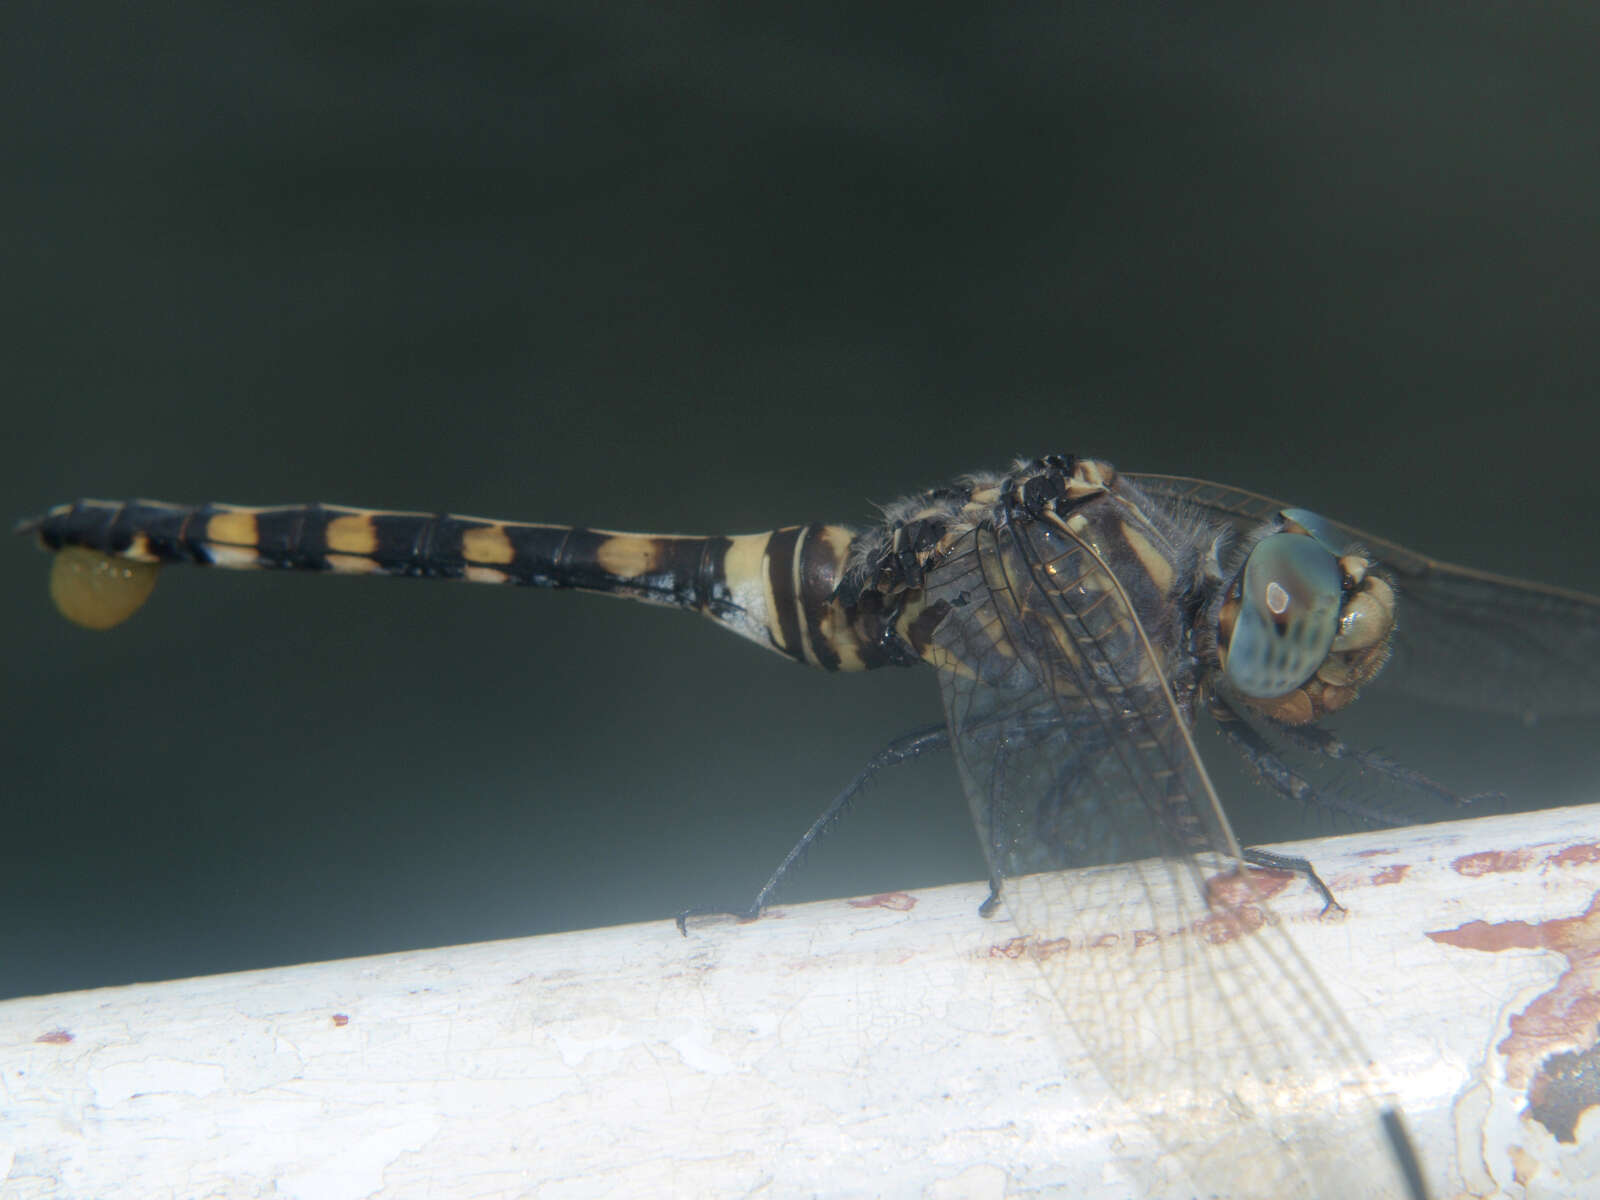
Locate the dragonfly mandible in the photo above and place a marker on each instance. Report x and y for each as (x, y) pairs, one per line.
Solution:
(1078, 620)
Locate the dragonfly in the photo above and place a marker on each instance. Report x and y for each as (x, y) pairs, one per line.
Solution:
(1079, 621)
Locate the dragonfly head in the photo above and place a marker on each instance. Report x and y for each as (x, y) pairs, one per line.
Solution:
(1305, 622)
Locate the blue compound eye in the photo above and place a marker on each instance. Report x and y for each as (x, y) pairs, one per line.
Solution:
(1319, 527)
(1288, 615)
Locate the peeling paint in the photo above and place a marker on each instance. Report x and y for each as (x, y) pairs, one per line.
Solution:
(893, 901)
(1239, 890)
(1551, 1047)
(1492, 862)
(1581, 855)
(1027, 947)
(1566, 1087)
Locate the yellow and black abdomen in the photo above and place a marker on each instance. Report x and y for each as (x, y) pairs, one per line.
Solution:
(779, 588)
(322, 537)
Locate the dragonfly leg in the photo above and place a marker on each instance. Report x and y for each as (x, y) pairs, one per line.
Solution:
(992, 901)
(1270, 861)
(1259, 754)
(902, 749)
(1327, 744)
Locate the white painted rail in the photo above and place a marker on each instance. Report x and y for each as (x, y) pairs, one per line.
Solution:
(868, 1047)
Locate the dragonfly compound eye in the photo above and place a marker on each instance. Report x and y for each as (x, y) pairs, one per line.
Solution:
(1313, 525)
(1287, 618)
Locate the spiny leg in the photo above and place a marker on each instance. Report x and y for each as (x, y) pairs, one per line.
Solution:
(1277, 774)
(1259, 755)
(1327, 744)
(1272, 861)
(1271, 769)
(902, 749)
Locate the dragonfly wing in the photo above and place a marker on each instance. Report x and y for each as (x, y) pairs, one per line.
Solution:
(1467, 638)
(1181, 986)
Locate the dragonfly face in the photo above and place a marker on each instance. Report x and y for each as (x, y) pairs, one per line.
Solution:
(1304, 625)
(1077, 618)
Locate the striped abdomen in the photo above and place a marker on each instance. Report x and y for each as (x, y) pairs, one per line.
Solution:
(778, 588)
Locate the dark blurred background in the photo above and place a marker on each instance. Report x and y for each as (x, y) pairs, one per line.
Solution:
(710, 269)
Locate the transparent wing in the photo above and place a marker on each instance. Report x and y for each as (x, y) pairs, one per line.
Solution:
(1467, 638)
(1182, 988)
